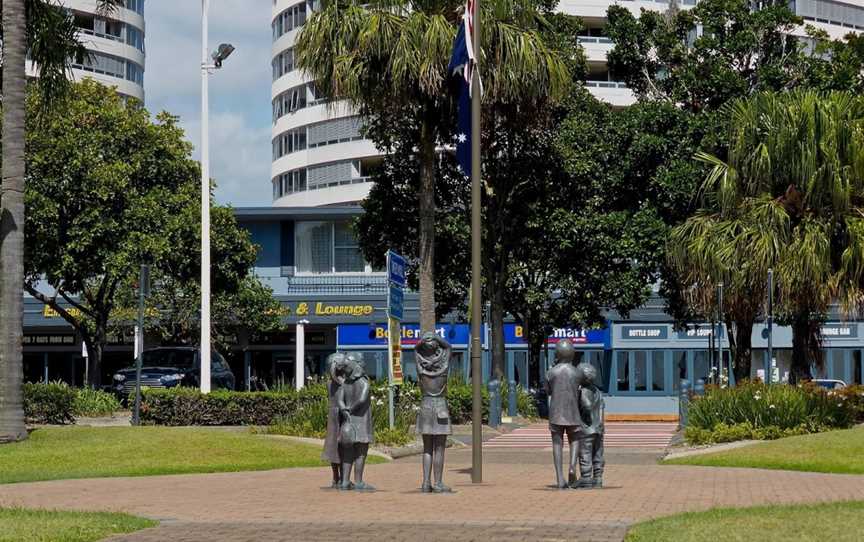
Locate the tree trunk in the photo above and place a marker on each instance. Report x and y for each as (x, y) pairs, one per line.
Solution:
(12, 426)
(95, 347)
(800, 369)
(742, 347)
(94, 364)
(496, 320)
(427, 226)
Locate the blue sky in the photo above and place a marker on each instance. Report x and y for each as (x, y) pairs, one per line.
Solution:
(239, 92)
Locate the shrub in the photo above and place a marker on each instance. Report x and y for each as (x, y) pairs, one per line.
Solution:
(49, 403)
(756, 411)
(854, 396)
(90, 402)
(188, 406)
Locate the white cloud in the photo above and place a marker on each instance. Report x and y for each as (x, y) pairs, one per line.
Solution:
(239, 92)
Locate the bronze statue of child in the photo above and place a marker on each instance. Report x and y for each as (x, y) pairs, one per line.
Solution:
(562, 385)
(355, 430)
(591, 418)
(331, 439)
(432, 354)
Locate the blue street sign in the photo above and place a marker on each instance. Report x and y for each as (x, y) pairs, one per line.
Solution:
(395, 302)
(396, 269)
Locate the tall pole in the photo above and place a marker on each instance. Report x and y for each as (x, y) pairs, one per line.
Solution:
(476, 302)
(300, 355)
(720, 363)
(143, 281)
(205, 205)
(770, 363)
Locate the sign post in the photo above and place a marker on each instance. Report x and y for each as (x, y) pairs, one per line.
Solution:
(395, 312)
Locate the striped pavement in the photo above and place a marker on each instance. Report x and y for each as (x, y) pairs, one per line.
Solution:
(618, 435)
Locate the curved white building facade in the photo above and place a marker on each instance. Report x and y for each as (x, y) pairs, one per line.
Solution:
(115, 42)
(319, 157)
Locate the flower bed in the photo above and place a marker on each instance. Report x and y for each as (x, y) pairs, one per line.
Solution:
(754, 410)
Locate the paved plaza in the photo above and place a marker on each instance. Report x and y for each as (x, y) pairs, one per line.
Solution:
(515, 501)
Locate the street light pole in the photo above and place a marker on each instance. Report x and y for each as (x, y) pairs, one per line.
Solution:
(770, 364)
(205, 204)
(476, 303)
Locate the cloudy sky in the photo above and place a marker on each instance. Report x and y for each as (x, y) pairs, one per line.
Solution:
(239, 92)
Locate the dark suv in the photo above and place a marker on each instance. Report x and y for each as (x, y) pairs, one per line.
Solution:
(169, 367)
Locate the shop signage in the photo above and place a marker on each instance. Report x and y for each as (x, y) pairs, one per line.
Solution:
(645, 333)
(515, 334)
(396, 269)
(320, 308)
(395, 302)
(48, 340)
(349, 335)
(701, 331)
(394, 351)
(840, 331)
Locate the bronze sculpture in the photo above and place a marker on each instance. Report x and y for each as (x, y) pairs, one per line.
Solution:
(562, 385)
(330, 453)
(592, 428)
(433, 419)
(355, 430)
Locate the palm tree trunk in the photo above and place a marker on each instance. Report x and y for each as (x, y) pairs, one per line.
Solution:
(427, 226)
(742, 347)
(12, 426)
(801, 331)
(496, 320)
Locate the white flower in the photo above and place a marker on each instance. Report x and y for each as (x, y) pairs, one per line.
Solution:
(771, 406)
(379, 402)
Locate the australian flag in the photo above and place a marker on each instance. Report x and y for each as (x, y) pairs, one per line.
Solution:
(462, 64)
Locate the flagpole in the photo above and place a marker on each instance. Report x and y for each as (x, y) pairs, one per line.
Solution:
(476, 303)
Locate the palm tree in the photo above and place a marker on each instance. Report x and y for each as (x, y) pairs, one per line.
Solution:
(789, 195)
(388, 56)
(49, 35)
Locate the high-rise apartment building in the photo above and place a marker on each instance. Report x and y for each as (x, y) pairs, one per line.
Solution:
(319, 157)
(115, 43)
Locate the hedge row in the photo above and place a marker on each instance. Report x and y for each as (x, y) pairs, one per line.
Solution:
(57, 403)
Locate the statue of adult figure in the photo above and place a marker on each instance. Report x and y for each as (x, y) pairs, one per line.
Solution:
(562, 385)
(433, 420)
(355, 430)
(335, 363)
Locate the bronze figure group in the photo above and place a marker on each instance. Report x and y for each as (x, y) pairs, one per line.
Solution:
(349, 421)
(576, 408)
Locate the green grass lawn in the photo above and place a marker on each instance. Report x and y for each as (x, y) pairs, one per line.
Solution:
(837, 522)
(89, 452)
(832, 451)
(17, 525)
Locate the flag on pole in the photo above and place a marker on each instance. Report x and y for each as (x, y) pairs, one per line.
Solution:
(463, 63)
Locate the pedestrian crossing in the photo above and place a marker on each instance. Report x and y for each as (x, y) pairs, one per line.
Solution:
(618, 435)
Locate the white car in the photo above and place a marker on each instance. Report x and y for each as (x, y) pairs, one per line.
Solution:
(829, 384)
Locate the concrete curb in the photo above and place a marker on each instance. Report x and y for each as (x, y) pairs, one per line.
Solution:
(710, 449)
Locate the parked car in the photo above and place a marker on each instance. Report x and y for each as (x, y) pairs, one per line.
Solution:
(169, 367)
(829, 384)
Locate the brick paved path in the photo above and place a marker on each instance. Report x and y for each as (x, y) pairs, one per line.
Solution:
(514, 503)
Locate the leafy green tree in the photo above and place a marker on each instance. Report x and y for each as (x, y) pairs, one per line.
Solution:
(392, 56)
(108, 190)
(704, 56)
(48, 35)
(242, 306)
(787, 196)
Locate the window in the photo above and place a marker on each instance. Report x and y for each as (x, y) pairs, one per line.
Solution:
(313, 247)
(283, 63)
(135, 37)
(135, 5)
(327, 247)
(622, 372)
(679, 361)
(288, 20)
(288, 142)
(640, 370)
(346, 251)
(701, 366)
(289, 101)
(658, 371)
